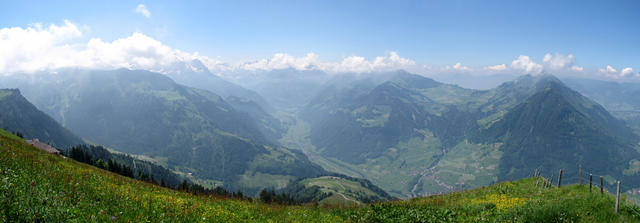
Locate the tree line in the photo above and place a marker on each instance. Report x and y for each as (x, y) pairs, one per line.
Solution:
(123, 165)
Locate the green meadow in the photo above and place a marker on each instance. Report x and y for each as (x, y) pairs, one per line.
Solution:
(39, 187)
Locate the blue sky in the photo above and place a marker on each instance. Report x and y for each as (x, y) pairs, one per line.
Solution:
(435, 33)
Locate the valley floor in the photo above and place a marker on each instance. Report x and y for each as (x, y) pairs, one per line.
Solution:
(37, 186)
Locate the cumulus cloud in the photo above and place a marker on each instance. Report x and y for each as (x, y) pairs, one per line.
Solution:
(40, 48)
(142, 9)
(608, 70)
(139, 51)
(558, 61)
(577, 68)
(526, 64)
(459, 67)
(392, 61)
(36, 47)
(283, 61)
(44, 48)
(499, 67)
(611, 72)
(626, 72)
(357, 64)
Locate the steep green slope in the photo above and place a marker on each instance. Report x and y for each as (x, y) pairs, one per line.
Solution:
(558, 128)
(62, 190)
(18, 115)
(186, 129)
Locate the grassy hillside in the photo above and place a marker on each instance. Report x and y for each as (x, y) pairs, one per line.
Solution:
(37, 186)
(336, 190)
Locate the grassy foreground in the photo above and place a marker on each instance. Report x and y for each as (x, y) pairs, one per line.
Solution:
(36, 186)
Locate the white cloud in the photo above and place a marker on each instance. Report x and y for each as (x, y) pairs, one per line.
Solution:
(611, 72)
(36, 48)
(349, 64)
(359, 64)
(46, 47)
(139, 51)
(527, 65)
(576, 68)
(142, 9)
(608, 70)
(626, 72)
(558, 61)
(459, 67)
(499, 67)
(284, 61)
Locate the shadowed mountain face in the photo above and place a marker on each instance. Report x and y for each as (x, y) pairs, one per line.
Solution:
(18, 115)
(190, 130)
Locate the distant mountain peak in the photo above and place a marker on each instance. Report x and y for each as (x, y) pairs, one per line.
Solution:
(187, 67)
(565, 126)
(198, 66)
(8, 92)
(529, 83)
(546, 77)
(410, 80)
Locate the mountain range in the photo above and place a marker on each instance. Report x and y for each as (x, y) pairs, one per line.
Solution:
(621, 99)
(406, 133)
(414, 136)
